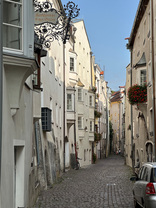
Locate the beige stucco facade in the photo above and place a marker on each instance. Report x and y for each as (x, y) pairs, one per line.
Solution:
(140, 70)
(128, 142)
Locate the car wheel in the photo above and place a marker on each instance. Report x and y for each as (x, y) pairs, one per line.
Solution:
(136, 205)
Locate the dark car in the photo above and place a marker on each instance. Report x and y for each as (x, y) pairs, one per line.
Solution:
(144, 189)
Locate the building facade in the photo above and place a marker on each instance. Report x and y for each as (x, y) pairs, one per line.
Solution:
(19, 63)
(142, 72)
(84, 99)
(117, 120)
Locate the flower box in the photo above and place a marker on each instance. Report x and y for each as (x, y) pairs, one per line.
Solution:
(137, 94)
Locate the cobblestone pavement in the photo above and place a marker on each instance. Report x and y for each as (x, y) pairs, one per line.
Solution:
(105, 184)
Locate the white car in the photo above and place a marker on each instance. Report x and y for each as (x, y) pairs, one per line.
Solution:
(144, 189)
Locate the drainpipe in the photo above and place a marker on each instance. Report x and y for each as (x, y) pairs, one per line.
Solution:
(107, 124)
(76, 157)
(153, 77)
(91, 64)
(119, 124)
(1, 86)
(64, 107)
(132, 150)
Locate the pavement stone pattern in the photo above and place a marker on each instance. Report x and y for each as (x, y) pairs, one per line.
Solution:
(105, 184)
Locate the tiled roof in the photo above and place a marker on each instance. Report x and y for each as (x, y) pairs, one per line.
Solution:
(115, 97)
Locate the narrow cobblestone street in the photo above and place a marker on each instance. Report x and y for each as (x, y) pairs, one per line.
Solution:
(105, 184)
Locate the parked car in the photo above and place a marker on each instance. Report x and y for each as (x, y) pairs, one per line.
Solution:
(144, 189)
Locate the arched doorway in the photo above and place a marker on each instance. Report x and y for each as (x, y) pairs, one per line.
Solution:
(149, 151)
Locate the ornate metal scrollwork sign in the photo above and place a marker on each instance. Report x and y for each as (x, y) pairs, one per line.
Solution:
(51, 24)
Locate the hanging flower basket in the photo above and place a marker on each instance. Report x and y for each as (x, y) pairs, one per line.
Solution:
(97, 114)
(97, 137)
(97, 95)
(137, 94)
(94, 89)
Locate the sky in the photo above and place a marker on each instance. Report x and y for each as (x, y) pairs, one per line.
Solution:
(108, 23)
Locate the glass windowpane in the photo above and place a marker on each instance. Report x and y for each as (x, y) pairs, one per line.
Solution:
(12, 37)
(12, 13)
(69, 102)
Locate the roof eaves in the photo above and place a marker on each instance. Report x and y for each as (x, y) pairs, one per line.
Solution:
(139, 14)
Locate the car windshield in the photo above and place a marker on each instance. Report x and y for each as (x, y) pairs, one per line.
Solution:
(153, 176)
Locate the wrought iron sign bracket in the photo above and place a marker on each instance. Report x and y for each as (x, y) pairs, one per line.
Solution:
(51, 24)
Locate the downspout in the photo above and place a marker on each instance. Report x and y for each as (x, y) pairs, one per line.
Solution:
(107, 124)
(64, 107)
(76, 158)
(119, 124)
(1, 86)
(99, 117)
(132, 150)
(153, 77)
(91, 64)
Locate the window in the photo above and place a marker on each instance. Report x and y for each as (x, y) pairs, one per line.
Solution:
(12, 24)
(36, 75)
(84, 155)
(149, 74)
(145, 175)
(142, 77)
(144, 33)
(153, 175)
(91, 126)
(86, 99)
(80, 122)
(71, 64)
(90, 101)
(46, 119)
(140, 174)
(60, 117)
(69, 102)
(57, 116)
(79, 94)
(18, 25)
(151, 121)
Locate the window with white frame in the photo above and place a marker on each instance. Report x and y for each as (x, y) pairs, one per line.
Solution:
(69, 102)
(72, 64)
(80, 122)
(80, 97)
(18, 27)
(12, 24)
(142, 77)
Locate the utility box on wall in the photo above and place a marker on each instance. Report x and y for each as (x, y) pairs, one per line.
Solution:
(46, 119)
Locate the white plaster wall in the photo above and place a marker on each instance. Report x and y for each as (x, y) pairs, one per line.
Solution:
(82, 48)
(17, 131)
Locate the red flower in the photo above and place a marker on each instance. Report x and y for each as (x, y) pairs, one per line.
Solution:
(137, 94)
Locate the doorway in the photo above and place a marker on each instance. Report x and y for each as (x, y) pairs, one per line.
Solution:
(18, 176)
